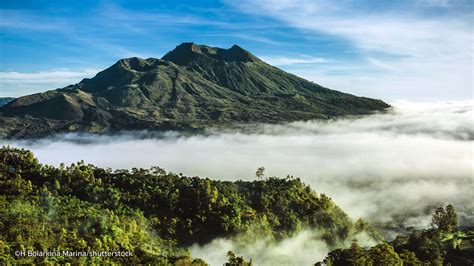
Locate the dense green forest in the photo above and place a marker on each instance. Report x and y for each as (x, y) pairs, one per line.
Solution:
(150, 212)
(443, 244)
(157, 215)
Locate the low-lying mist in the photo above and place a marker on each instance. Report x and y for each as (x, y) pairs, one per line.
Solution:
(390, 169)
(304, 248)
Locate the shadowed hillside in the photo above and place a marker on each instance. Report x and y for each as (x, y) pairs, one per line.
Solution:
(5, 100)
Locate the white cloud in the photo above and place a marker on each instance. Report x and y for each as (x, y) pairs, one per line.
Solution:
(305, 248)
(425, 55)
(25, 20)
(13, 83)
(116, 16)
(285, 61)
(45, 77)
(385, 31)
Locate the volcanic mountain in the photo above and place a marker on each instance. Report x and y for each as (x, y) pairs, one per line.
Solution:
(192, 87)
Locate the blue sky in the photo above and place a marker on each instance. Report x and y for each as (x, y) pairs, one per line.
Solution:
(417, 50)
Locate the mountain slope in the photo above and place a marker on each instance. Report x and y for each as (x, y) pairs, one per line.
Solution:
(5, 100)
(150, 212)
(193, 86)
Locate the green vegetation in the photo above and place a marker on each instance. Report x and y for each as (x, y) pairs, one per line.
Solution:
(236, 261)
(441, 245)
(150, 212)
(190, 88)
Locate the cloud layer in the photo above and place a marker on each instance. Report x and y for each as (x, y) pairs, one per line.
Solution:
(18, 83)
(308, 245)
(391, 169)
(304, 248)
(418, 153)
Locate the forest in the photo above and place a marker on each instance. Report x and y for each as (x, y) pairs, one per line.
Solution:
(442, 244)
(157, 215)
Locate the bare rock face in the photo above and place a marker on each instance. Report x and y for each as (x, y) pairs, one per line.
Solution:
(192, 87)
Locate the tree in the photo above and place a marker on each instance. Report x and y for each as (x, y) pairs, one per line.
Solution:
(236, 261)
(409, 258)
(438, 219)
(452, 218)
(260, 172)
(384, 254)
(445, 219)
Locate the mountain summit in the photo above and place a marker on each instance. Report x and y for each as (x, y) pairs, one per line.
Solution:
(191, 87)
(187, 52)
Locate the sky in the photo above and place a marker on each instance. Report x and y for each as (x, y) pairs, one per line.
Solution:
(416, 50)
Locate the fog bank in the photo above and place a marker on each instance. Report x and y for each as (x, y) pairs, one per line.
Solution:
(304, 248)
(391, 169)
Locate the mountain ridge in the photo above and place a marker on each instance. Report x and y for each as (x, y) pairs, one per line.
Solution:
(5, 100)
(185, 51)
(191, 87)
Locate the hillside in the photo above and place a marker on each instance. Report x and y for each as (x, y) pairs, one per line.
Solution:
(443, 244)
(5, 100)
(191, 87)
(155, 214)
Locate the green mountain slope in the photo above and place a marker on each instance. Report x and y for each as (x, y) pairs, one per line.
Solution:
(443, 244)
(154, 214)
(191, 87)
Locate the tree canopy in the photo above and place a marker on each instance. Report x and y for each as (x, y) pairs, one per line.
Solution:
(151, 212)
(439, 245)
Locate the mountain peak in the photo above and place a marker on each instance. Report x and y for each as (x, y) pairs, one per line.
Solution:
(189, 51)
(193, 87)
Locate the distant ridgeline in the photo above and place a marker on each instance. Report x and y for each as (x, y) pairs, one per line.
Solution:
(190, 88)
(154, 214)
